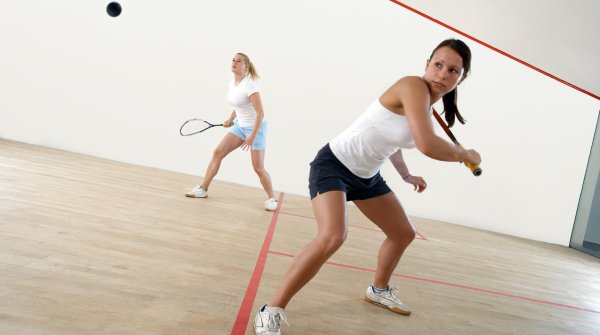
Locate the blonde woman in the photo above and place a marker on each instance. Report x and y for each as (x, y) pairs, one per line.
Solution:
(248, 129)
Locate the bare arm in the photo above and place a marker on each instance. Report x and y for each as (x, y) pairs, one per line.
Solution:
(398, 161)
(414, 94)
(257, 104)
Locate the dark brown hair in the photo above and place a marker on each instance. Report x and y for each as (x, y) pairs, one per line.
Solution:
(449, 99)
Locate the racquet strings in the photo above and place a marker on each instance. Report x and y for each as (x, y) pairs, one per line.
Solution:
(194, 126)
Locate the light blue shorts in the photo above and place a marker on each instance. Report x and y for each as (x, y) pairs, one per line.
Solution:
(260, 141)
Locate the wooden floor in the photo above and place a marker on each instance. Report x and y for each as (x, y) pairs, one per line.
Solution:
(91, 246)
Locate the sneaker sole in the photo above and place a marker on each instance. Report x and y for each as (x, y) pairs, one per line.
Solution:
(193, 196)
(393, 309)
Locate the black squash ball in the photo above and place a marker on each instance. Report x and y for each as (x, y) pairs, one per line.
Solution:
(113, 9)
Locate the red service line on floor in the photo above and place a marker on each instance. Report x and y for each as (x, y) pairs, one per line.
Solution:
(465, 287)
(241, 322)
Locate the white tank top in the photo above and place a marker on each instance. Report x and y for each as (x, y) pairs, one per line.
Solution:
(371, 139)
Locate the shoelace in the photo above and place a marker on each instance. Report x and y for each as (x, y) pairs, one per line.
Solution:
(275, 319)
(392, 296)
(196, 188)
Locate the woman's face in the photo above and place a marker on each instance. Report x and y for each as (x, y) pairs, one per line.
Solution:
(238, 65)
(444, 71)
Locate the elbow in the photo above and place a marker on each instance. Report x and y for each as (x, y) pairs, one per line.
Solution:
(425, 148)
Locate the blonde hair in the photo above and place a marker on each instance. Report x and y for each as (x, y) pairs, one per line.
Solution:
(251, 69)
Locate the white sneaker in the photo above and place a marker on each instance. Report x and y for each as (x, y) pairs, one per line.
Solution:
(197, 192)
(270, 204)
(268, 319)
(387, 299)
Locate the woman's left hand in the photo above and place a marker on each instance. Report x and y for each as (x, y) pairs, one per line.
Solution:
(418, 182)
(247, 145)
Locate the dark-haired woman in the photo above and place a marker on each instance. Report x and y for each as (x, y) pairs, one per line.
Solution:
(347, 169)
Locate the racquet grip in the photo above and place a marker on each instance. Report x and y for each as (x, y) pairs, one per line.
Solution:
(475, 169)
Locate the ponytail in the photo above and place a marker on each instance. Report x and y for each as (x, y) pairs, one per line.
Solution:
(450, 109)
(251, 69)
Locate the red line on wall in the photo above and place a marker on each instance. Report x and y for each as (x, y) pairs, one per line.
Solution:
(241, 322)
(465, 287)
(495, 49)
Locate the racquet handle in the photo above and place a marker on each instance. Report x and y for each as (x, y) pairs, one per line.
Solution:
(475, 169)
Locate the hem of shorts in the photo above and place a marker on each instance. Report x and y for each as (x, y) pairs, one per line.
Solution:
(328, 189)
(371, 197)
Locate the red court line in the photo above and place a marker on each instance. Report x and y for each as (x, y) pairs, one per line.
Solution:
(495, 49)
(241, 322)
(419, 236)
(465, 287)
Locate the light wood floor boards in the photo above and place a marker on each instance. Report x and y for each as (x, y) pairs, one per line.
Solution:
(92, 246)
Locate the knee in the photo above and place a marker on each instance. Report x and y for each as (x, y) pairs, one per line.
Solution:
(332, 242)
(409, 235)
(405, 236)
(219, 154)
(259, 170)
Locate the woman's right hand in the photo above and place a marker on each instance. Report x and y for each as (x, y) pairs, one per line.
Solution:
(227, 123)
(471, 156)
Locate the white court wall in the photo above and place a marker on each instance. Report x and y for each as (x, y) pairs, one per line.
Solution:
(552, 35)
(74, 78)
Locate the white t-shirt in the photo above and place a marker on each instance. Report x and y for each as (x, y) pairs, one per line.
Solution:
(238, 97)
(376, 135)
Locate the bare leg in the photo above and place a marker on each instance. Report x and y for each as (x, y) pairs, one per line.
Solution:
(258, 163)
(229, 143)
(330, 213)
(387, 213)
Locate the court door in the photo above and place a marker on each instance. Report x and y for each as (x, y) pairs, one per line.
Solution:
(586, 231)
